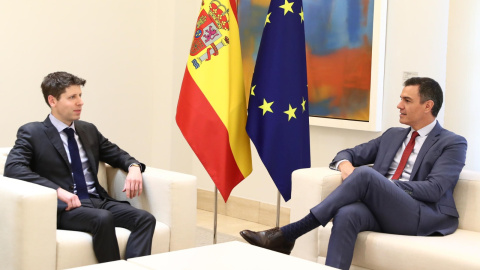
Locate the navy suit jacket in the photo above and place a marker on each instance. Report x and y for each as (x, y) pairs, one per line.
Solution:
(40, 157)
(434, 174)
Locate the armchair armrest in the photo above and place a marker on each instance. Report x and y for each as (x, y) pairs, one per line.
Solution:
(309, 187)
(171, 197)
(28, 218)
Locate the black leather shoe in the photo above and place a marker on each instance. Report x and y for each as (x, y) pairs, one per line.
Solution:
(270, 239)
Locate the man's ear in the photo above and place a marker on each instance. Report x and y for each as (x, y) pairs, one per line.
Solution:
(52, 100)
(429, 105)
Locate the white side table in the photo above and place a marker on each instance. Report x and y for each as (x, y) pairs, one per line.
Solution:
(115, 265)
(231, 255)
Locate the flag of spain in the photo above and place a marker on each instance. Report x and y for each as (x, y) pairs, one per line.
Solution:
(211, 110)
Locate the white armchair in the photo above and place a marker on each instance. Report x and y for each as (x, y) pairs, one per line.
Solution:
(28, 233)
(374, 250)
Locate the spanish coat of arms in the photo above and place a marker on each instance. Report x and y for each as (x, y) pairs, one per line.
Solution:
(210, 33)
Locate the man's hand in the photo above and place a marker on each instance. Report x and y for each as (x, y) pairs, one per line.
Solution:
(70, 199)
(134, 182)
(346, 168)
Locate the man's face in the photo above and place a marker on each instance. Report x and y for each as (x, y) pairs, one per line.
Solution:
(412, 111)
(69, 106)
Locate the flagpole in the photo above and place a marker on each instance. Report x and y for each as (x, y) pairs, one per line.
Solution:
(278, 209)
(215, 217)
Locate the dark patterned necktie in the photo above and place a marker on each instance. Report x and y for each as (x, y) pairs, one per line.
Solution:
(76, 164)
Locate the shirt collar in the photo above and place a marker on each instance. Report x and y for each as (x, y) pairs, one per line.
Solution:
(59, 125)
(423, 132)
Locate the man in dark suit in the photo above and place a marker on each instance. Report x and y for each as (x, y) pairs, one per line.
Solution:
(63, 153)
(408, 191)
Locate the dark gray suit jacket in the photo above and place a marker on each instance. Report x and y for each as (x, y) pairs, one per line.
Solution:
(40, 157)
(434, 174)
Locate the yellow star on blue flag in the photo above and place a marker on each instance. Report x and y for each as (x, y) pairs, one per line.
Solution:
(281, 136)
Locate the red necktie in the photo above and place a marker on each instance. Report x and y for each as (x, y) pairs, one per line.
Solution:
(406, 153)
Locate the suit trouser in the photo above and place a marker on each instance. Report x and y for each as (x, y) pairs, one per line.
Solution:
(365, 201)
(100, 217)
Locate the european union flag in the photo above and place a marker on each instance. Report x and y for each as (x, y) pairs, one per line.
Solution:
(278, 107)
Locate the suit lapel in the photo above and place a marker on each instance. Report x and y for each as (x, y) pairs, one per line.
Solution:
(432, 138)
(54, 137)
(83, 135)
(395, 143)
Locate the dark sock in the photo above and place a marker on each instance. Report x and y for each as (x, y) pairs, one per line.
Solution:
(294, 230)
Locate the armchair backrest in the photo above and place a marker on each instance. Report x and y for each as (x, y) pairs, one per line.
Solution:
(467, 200)
(102, 176)
(3, 157)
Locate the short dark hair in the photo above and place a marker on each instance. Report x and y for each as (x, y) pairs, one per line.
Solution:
(428, 89)
(55, 84)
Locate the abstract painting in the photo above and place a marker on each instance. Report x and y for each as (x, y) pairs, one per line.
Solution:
(345, 43)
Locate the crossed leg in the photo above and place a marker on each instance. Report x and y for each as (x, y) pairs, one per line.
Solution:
(365, 201)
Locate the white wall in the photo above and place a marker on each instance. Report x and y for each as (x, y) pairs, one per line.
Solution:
(133, 55)
(463, 79)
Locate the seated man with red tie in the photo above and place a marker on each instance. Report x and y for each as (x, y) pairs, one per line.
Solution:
(408, 191)
(63, 153)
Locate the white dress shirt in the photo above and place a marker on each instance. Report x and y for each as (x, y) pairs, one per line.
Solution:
(419, 140)
(60, 126)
